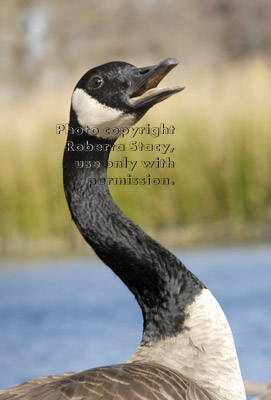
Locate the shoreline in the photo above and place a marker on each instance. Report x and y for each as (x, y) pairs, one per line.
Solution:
(215, 234)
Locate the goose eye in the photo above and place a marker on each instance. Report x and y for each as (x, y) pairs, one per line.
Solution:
(96, 82)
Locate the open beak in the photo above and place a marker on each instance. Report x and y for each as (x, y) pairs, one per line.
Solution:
(144, 90)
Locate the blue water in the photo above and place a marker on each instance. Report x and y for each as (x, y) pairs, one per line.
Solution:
(72, 314)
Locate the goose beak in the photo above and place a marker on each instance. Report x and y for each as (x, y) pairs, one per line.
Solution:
(144, 81)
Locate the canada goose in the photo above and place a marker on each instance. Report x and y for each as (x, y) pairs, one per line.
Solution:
(187, 349)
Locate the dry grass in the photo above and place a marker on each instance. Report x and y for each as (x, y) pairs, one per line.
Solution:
(222, 162)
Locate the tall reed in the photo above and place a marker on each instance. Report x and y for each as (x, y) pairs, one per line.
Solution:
(222, 157)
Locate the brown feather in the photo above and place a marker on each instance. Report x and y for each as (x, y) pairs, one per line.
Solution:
(118, 382)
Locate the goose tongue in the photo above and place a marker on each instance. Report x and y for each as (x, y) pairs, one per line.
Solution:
(144, 90)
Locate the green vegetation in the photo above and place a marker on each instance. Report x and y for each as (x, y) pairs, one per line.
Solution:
(222, 168)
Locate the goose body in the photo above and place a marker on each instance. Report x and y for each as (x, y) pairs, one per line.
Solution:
(187, 350)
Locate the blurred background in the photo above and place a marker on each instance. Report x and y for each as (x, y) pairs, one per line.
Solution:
(222, 191)
(222, 120)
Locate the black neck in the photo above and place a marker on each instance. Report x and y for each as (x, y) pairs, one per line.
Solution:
(161, 284)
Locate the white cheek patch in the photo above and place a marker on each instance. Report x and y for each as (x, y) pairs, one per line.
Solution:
(92, 114)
